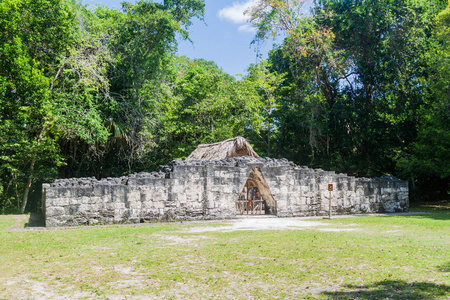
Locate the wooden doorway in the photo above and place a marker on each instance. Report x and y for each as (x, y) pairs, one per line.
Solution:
(255, 197)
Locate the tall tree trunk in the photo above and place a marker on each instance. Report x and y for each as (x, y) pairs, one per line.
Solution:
(28, 186)
(268, 125)
(268, 140)
(17, 195)
(30, 176)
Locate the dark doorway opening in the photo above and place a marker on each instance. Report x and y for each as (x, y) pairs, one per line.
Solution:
(255, 197)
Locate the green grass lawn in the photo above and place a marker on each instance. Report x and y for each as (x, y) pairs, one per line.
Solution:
(396, 257)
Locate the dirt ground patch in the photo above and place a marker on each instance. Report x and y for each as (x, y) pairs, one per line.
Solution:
(274, 223)
(35, 222)
(259, 223)
(21, 220)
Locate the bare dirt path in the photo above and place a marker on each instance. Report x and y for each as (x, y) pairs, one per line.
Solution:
(273, 223)
(20, 221)
(259, 223)
(244, 222)
(31, 221)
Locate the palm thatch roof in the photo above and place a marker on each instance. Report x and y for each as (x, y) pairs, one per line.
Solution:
(234, 147)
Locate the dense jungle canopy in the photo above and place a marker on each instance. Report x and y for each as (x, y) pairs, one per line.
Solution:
(360, 87)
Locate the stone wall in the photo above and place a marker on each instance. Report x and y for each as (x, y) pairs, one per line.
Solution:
(209, 190)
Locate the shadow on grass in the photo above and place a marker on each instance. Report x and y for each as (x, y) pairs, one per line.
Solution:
(394, 289)
(432, 210)
(441, 216)
(429, 213)
(36, 220)
(444, 267)
(8, 212)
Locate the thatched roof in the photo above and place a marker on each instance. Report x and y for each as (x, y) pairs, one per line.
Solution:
(234, 147)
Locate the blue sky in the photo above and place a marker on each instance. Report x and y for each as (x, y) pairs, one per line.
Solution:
(224, 39)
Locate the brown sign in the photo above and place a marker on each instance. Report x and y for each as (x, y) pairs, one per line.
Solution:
(330, 187)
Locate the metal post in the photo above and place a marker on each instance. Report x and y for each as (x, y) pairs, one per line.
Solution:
(246, 198)
(330, 206)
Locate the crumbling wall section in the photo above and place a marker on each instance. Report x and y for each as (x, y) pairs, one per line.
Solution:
(209, 189)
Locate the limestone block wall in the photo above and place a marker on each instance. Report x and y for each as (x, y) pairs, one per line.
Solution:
(209, 190)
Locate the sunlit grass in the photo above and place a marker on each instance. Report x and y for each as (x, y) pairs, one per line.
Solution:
(6, 222)
(398, 257)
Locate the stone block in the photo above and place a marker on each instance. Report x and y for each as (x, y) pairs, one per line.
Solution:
(55, 211)
(172, 197)
(135, 205)
(182, 198)
(65, 192)
(210, 204)
(283, 190)
(118, 196)
(226, 189)
(83, 192)
(147, 205)
(193, 197)
(71, 210)
(84, 208)
(158, 196)
(60, 201)
(170, 204)
(51, 192)
(52, 222)
(178, 188)
(159, 182)
(82, 200)
(106, 198)
(159, 204)
(217, 180)
(134, 195)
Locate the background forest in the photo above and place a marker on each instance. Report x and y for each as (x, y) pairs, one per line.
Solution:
(360, 87)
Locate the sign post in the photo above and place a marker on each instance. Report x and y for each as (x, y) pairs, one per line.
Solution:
(330, 189)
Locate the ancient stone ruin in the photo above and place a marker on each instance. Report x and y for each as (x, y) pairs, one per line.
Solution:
(218, 189)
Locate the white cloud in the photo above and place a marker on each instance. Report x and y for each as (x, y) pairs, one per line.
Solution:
(247, 28)
(235, 13)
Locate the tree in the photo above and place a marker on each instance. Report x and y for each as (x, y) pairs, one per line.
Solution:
(140, 40)
(31, 40)
(428, 161)
(308, 56)
(354, 81)
(143, 41)
(267, 84)
(78, 85)
(385, 43)
(208, 105)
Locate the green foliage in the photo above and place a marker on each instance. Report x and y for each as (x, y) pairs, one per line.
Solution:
(136, 50)
(267, 84)
(207, 106)
(79, 87)
(184, 10)
(360, 87)
(30, 43)
(429, 158)
(355, 80)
